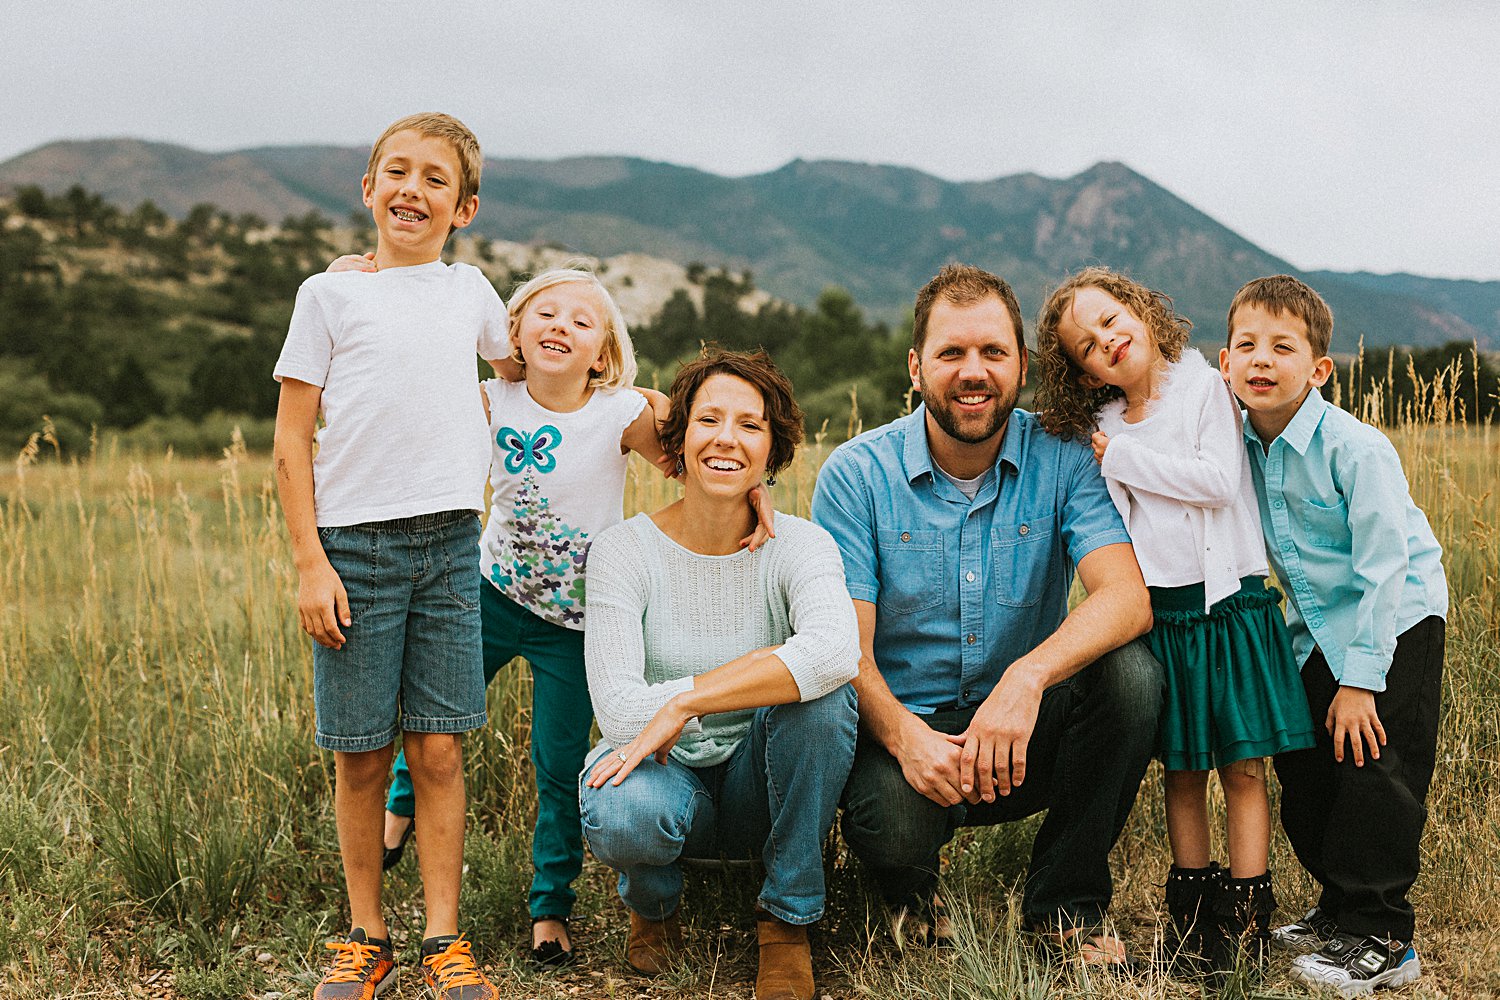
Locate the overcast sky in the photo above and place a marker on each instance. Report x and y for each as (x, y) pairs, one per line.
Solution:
(1346, 135)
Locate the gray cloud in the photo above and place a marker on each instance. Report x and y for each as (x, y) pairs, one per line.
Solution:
(1336, 135)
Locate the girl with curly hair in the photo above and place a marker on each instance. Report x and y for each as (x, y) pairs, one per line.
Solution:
(1116, 367)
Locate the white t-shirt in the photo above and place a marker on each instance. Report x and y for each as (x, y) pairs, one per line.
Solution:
(394, 352)
(558, 480)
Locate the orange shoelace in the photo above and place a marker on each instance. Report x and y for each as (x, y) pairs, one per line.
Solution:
(353, 961)
(454, 966)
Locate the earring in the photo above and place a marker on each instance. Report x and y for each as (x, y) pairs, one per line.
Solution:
(770, 480)
(681, 466)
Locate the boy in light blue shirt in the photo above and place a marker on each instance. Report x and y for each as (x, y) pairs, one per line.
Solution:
(1366, 602)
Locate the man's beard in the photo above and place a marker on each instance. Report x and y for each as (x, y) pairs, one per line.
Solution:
(975, 429)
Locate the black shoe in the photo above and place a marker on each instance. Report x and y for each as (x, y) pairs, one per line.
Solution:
(1243, 908)
(1191, 935)
(392, 856)
(1310, 933)
(551, 953)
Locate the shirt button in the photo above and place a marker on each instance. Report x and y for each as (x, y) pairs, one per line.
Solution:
(970, 577)
(1278, 504)
(970, 639)
(906, 536)
(1024, 530)
(1286, 546)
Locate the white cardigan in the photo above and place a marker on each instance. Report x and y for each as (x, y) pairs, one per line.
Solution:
(1180, 478)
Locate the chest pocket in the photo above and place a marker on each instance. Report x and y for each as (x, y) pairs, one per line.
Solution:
(911, 570)
(1022, 558)
(1327, 527)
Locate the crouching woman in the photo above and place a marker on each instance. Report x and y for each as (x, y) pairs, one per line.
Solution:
(720, 679)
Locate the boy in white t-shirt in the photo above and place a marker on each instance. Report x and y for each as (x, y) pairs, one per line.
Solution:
(384, 531)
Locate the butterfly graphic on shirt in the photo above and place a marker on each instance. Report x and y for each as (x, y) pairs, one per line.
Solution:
(534, 449)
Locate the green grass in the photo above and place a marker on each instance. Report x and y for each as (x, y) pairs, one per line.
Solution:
(166, 823)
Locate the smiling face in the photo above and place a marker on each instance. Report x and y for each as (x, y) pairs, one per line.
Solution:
(1108, 342)
(1271, 366)
(727, 440)
(413, 195)
(971, 368)
(562, 332)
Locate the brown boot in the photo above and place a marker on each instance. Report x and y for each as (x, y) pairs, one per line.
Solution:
(785, 960)
(653, 944)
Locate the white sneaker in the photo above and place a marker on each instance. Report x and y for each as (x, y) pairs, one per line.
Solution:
(1355, 966)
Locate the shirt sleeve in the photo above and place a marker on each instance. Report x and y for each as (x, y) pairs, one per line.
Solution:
(1374, 489)
(494, 334)
(842, 506)
(628, 405)
(1204, 472)
(308, 350)
(614, 648)
(1089, 518)
(822, 652)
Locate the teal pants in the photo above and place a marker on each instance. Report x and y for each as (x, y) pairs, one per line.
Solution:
(560, 719)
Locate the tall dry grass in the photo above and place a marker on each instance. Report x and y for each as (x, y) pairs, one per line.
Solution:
(165, 822)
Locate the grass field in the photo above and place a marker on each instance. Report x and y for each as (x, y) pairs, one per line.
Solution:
(166, 823)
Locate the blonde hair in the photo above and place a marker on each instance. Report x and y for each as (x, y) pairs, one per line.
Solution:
(1068, 408)
(619, 352)
(434, 125)
(1283, 294)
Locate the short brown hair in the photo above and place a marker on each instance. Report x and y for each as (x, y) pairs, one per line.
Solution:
(962, 285)
(1069, 408)
(435, 125)
(757, 368)
(1282, 293)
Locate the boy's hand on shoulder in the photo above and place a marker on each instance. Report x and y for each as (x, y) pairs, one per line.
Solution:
(1352, 716)
(354, 262)
(322, 604)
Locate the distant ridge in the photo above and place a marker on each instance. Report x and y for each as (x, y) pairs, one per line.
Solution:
(879, 231)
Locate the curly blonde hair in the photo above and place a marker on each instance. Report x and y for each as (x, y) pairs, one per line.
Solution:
(1067, 407)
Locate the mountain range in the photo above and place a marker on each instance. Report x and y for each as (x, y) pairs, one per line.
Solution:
(878, 231)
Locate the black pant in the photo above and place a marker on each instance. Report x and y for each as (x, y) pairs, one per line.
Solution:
(1358, 830)
(1094, 736)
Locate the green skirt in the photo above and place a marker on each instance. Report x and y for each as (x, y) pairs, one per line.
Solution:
(1233, 689)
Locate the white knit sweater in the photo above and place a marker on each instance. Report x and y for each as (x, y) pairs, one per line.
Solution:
(659, 615)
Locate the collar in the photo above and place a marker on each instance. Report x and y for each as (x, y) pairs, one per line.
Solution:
(916, 456)
(1304, 424)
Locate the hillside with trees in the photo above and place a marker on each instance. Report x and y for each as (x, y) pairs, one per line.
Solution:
(878, 231)
(163, 331)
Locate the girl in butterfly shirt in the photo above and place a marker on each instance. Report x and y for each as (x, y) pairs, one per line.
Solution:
(561, 440)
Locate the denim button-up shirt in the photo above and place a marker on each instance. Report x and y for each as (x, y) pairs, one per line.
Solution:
(1357, 558)
(962, 589)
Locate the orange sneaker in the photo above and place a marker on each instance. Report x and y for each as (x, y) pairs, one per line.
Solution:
(449, 970)
(363, 968)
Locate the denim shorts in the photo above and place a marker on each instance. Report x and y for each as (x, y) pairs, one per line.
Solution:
(413, 658)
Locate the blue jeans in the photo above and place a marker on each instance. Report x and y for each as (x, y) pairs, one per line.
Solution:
(774, 797)
(1095, 733)
(411, 658)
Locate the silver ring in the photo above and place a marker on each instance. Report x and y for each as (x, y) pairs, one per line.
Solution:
(623, 759)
